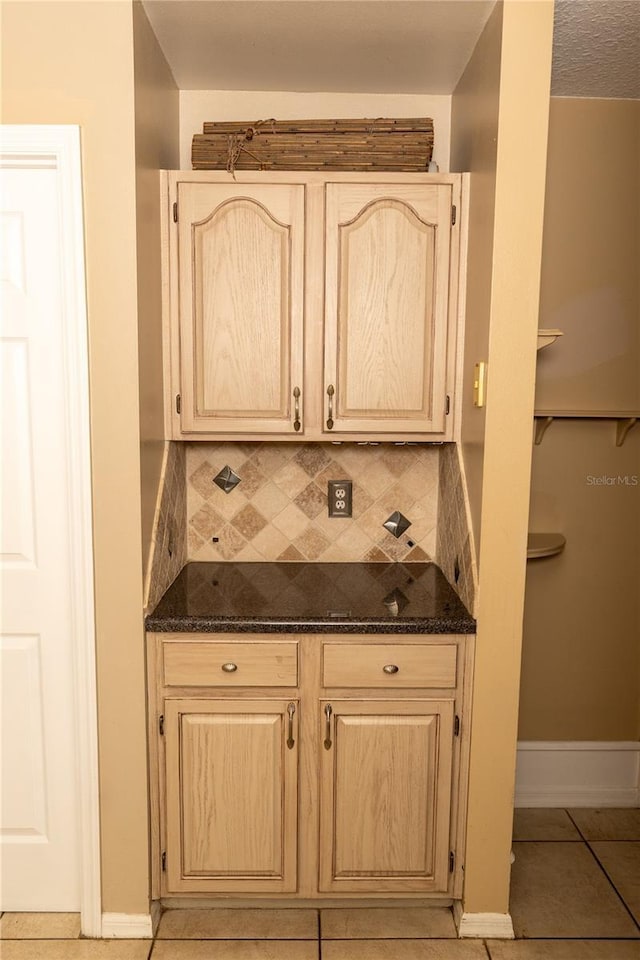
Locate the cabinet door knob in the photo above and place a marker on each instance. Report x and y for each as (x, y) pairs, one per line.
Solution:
(229, 667)
(330, 392)
(390, 668)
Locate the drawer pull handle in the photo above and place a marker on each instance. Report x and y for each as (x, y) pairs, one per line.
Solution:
(229, 667)
(291, 709)
(327, 739)
(391, 668)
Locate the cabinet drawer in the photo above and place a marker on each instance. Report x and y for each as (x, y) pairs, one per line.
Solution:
(370, 665)
(224, 664)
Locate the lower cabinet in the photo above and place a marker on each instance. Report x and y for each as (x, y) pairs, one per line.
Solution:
(340, 777)
(231, 795)
(385, 782)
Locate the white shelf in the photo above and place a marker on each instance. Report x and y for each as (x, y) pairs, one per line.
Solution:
(544, 545)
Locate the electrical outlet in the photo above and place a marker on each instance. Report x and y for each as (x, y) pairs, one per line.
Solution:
(340, 498)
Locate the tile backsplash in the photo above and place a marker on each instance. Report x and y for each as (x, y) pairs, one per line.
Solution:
(454, 552)
(278, 510)
(169, 543)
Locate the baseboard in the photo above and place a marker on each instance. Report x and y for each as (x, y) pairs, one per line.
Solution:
(578, 774)
(496, 926)
(130, 926)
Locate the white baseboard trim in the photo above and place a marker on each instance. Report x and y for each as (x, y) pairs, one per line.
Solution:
(498, 926)
(578, 774)
(130, 926)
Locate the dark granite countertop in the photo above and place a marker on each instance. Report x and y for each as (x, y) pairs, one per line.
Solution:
(311, 598)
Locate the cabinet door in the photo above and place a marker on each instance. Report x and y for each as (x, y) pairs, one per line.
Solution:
(231, 788)
(385, 795)
(241, 262)
(386, 303)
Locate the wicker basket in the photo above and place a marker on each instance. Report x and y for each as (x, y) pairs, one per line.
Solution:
(395, 145)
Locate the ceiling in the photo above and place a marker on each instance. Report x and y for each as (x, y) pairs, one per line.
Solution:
(381, 46)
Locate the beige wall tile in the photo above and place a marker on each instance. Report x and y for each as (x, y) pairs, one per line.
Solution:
(270, 543)
(291, 522)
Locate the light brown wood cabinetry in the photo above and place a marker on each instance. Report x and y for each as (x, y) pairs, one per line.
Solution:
(386, 795)
(311, 305)
(231, 795)
(337, 769)
(241, 261)
(386, 302)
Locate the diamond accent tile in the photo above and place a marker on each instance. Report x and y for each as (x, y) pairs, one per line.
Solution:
(396, 524)
(227, 480)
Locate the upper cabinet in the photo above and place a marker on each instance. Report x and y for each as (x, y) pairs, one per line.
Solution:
(241, 264)
(387, 250)
(309, 305)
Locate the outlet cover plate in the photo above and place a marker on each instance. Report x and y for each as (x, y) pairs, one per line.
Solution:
(340, 498)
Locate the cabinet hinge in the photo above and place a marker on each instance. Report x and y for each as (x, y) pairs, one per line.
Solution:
(175, 212)
(178, 403)
(454, 213)
(161, 724)
(452, 861)
(447, 405)
(164, 861)
(456, 726)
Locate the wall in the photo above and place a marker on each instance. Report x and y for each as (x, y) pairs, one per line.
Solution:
(581, 662)
(509, 73)
(73, 63)
(474, 140)
(156, 146)
(196, 106)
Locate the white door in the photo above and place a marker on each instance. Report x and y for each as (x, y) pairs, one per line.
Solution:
(40, 814)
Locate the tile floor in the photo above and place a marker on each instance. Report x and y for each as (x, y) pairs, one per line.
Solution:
(575, 895)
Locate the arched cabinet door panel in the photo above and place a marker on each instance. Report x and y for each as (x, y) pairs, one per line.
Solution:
(386, 307)
(241, 264)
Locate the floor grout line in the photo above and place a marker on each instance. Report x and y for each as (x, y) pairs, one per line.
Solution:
(610, 881)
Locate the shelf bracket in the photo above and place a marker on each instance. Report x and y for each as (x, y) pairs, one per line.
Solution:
(542, 425)
(622, 429)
